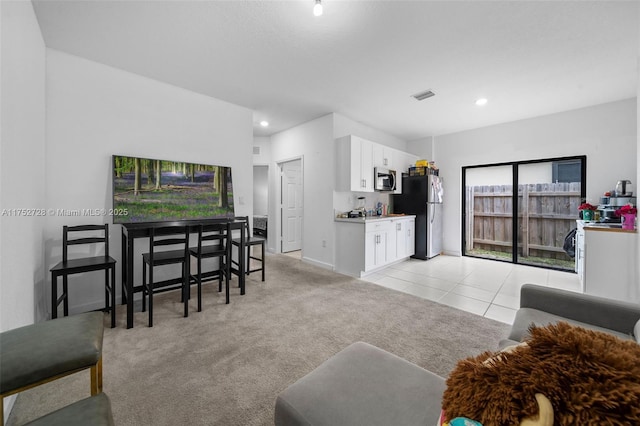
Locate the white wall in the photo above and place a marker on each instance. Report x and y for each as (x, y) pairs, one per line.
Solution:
(605, 133)
(263, 144)
(261, 190)
(23, 163)
(261, 163)
(343, 126)
(423, 148)
(637, 181)
(22, 167)
(95, 111)
(313, 142)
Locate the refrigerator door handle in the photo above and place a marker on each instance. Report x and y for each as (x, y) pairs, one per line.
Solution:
(432, 206)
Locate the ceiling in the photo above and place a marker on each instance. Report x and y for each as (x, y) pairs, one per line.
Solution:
(365, 58)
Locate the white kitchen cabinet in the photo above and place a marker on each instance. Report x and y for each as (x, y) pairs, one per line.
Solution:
(383, 156)
(579, 252)
(364, 246)
(610, 257)
(405, 240)
(411, 237)
(376, 246)
(356, 157)
(354, 161)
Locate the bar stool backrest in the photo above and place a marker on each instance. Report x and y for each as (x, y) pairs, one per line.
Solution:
(68, 241)
(245, 227)
(170, 235)
(215, 234)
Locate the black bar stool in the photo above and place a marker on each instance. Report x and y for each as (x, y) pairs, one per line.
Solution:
(250, 241)
(175, 236)
(213, 241)
(85, 264)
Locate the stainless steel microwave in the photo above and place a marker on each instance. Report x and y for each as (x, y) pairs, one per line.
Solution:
(384, 179)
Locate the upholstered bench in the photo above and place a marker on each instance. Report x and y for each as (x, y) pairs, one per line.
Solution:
(362, 385)
(94, 411)
(45, 351)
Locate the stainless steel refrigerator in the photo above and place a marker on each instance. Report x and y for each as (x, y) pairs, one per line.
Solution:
(422, 196)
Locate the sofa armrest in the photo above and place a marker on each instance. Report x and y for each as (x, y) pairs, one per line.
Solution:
(599, 311)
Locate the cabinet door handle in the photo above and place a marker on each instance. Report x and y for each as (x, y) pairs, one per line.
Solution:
(385, 161)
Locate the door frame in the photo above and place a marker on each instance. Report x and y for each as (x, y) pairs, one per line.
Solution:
(278, 185)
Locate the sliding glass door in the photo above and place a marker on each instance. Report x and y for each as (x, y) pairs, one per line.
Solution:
(549, 194)
(489, 212)
(528, 225)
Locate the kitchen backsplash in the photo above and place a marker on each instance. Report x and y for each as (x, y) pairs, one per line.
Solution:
(346, 201)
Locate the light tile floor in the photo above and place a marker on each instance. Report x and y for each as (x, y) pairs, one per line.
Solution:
(480, 286)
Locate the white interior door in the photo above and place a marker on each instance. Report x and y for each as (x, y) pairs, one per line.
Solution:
(291, 206)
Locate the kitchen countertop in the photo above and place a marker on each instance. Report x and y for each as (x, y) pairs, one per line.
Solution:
(606, 227)
(371, 218)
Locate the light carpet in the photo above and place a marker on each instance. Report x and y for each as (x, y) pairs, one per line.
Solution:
(226, 364)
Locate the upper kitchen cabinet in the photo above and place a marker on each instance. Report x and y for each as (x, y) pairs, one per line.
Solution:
(383, 156)
(356, 158)
(354, 164)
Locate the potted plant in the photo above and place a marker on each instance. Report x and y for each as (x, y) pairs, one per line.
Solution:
(586, 210)
(628, 215)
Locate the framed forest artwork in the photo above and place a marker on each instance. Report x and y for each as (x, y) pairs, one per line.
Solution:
(152, 190)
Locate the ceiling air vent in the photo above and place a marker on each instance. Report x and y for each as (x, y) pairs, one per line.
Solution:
(256, 150)
(424, 95)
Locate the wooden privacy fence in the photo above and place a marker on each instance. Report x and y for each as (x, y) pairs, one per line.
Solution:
(546, 213)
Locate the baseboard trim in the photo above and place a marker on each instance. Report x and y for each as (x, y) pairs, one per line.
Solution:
(323, 265)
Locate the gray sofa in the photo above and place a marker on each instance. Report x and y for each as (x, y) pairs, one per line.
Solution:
(365, 385)
(543, 305)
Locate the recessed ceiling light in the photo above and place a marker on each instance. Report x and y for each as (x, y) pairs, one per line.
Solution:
(317, 9)
(264, 123)
(481, 101)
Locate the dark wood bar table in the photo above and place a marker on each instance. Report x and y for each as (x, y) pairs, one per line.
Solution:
(133, 231)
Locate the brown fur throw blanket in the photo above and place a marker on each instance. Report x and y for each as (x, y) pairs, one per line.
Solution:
(590, 377)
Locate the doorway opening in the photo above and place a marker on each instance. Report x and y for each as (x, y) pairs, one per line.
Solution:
(527, 225)
(260, 200)
(291, 207)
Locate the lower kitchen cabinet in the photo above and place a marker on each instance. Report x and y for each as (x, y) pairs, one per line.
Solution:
(405, 244)
(364, 246)
(607, 264)
(375, 249)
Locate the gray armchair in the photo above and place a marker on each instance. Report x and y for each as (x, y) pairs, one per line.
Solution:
(543, 305)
